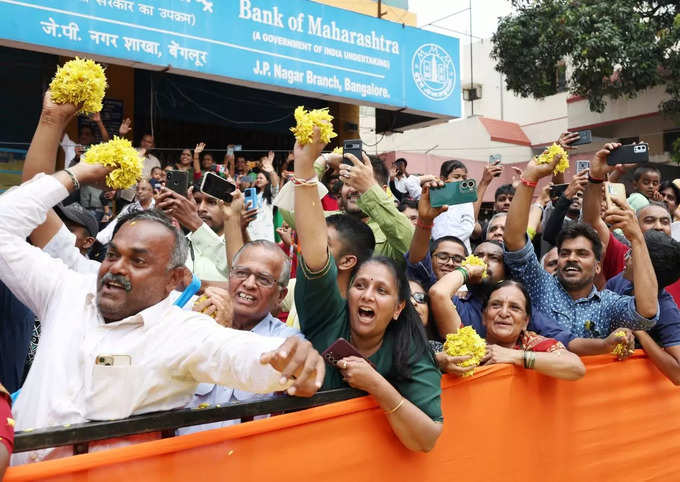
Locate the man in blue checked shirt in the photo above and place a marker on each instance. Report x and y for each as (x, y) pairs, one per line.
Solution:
(569, 295)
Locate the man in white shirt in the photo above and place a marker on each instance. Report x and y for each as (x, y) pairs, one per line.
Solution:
(202, 215)
(407, 186)
(257, 284)
(113, 345)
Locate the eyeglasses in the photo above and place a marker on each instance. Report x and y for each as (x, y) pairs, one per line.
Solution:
(420, 298)
(444, 257)
(262, 280)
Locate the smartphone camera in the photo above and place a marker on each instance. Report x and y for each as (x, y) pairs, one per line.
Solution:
(467, 185)
(640, 149)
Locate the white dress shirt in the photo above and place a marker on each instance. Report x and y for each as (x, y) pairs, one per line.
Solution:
(409, 185)
(208, 260)
(212, 395)
(163, 351)
(458, 220)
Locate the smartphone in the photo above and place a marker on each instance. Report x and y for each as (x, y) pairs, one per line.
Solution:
(582, 166)
(630, 154)
(113, 360)
(215, 186)
(250, 196)
(340, 349)
(451, 193)
(584, 137)
(352, 146)
(230, 150)
(238, 147)
(178, 181)
(556, 190)
(614, 190)
(495, 159)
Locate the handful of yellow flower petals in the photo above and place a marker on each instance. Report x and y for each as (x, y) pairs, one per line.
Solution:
(337, 150)
(549, 155)
(120, 154)
(466, 342)
(307, 120)
(621, 348)
(473, 260)
(79, 81)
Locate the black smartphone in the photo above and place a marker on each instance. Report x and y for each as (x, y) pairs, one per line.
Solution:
(556, 190)
(584, 137)
(178, 181)
(217, 187)
(629, 154)
(352, 146)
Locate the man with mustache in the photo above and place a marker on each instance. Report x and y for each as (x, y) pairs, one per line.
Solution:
(570, 296)
(114, 345)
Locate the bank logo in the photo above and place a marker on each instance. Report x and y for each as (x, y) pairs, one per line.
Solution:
(433, 72)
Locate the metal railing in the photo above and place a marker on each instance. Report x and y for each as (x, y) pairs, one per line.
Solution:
(79, 435)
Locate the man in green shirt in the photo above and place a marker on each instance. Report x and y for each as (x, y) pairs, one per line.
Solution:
(364, 196)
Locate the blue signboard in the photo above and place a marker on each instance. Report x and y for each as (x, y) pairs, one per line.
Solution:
(297, 45)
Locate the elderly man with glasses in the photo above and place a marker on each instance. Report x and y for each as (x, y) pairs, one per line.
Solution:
(257, 283)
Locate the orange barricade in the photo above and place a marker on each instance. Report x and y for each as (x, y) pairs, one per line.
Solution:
(621, 422)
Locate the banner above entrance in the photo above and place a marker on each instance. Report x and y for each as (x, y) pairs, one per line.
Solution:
(296, 46)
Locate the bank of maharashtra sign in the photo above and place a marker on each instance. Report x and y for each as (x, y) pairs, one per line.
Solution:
(296, 45)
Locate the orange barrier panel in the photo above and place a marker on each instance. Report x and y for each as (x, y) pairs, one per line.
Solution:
(621, 422)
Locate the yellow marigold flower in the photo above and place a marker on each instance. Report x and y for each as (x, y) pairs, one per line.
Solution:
(203, 405)
(621, 348)
(466, 342)
(120, 154)
(549, 156)
(306, 121)
(473, 260)
(11, 422)
(337, 150)
(79, 81)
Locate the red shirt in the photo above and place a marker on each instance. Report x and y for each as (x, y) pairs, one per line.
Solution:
(613, 262)
(674, 291)
(330, 203)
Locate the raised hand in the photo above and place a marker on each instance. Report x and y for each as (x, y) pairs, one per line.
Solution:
(126, 127)
(59, 113)
(199, 148)
(184, 209)
(533, 171)
(577, 184)
(490, 172)
(358, 373)
(628, 342)
(268, 162)
(621, 216)
(426, 212)
(359, 175)
(566, 138)
(598, 164)
(306, 155)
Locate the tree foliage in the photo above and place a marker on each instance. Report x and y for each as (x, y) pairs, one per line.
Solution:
(613, 48)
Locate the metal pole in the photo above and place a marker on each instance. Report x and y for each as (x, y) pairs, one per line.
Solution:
(472, 78)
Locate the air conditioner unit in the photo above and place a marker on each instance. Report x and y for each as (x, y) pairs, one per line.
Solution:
(472, 92)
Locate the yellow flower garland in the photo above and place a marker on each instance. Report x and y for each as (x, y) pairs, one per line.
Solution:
(120, 154)
(79, 81)
(473, 260)
(466, 342)
(306, 121)
(549, 156)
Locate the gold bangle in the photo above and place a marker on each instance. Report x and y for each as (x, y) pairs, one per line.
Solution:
(401, 402)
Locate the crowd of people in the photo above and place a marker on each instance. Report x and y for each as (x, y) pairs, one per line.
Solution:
(332, 247)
